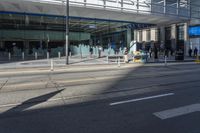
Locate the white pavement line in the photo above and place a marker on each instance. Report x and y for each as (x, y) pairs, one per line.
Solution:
(140, 99)
(178, 111)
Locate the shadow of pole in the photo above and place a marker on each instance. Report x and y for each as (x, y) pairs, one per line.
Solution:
(32, 102)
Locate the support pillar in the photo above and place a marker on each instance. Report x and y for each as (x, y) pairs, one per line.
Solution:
(122, 4)
(173, 36)
(186, 39)
(177, 7)
(162, 36)
(135, 35)
(128, 36)
(165, 6)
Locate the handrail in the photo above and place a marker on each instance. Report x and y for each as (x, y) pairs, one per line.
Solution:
(186, 9)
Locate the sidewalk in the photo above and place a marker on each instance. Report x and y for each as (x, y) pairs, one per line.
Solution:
(171, 59)
(56, 62)
(75, 65)
(78, 63)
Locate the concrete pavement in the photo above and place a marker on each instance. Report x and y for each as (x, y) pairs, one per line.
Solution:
(80, 102)
(91, 84)
(76, 61)
(100, 117)
(80, 68)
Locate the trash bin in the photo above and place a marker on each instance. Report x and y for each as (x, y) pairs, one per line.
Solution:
(140, 56)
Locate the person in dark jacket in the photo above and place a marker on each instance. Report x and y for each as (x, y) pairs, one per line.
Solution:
(91, 52)
(190, 52)
(155, 53)
(195, 51)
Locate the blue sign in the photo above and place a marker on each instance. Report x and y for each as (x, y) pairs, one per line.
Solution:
(194, 31)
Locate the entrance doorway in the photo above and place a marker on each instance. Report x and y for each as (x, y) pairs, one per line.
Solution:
(14, 47)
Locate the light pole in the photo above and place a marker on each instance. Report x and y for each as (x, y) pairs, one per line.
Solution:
(67, 33)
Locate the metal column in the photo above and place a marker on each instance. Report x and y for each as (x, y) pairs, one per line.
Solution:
(67, 33)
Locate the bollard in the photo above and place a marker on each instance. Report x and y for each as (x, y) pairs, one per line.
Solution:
(59, 55)
(22, 55)
(119, 62)
(36, 56)
(70, 54)
(165, 60)
(9, 56)
(52, 65)
(81, 55)
(47, 55)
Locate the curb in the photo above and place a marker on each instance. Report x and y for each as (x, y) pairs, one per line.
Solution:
(65, 69)
(83, 68)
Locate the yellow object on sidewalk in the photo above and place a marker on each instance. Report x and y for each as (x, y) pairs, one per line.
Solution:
(137, 56)
(197, 60)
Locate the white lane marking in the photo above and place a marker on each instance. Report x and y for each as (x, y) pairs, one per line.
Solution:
(178, 111)
(140, 99)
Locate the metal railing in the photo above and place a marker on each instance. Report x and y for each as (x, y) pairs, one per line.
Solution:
(181, 9)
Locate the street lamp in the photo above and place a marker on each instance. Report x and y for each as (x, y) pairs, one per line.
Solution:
(67, 33)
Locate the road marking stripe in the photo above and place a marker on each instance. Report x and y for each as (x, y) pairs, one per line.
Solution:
(140, 99)
(166, 114)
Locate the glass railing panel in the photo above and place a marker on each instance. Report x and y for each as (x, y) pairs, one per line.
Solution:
(157, 8)
(134, 6)
(113, 4)
(96, 2)
(144, 6)
(130, 5)
(171, 9)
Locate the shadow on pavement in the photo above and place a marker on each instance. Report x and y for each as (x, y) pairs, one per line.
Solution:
(30, 102)
(85, 60)
(75, 118)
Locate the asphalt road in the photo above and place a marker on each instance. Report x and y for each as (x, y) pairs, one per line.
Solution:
(140, 100)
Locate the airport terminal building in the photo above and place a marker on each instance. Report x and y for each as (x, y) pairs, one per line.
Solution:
(32, 26)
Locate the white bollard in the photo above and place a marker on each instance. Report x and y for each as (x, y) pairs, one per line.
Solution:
(59, 55)
(22, 55)
(47, 55)
(36, 56)
(9, 56)
(165, 60)
(119, 62)
(52, 65)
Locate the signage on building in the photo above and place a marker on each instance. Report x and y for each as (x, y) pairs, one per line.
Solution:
(194, 31)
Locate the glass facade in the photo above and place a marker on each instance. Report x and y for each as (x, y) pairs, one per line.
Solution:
(41, 34)
(40, 29)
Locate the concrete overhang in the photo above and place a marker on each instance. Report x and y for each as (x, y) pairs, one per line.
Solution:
(89, 12)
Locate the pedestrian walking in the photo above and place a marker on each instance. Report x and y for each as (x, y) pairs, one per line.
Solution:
(195, 51)
(190, 52)
(171, 52)
(166, 52)
(155, 53)
(150, 52)
(91, 52)
(100, 50)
